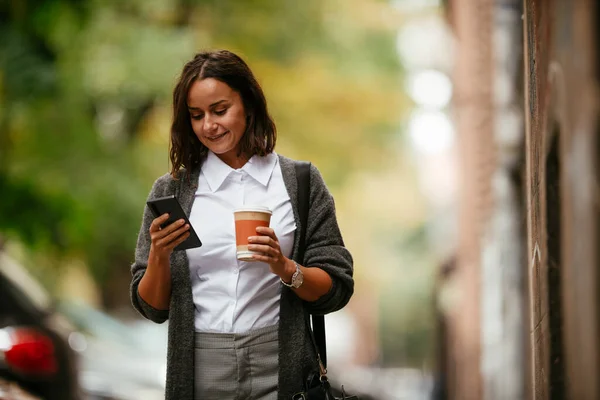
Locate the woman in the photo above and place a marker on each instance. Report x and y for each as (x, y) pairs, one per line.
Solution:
(237, 329)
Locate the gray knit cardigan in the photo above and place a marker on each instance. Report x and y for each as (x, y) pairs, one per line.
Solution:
(324, 249)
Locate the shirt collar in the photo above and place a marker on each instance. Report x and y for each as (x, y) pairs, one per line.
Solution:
(261, 168)
(216, 171)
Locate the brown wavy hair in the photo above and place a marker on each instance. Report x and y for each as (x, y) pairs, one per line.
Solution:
(260, 136)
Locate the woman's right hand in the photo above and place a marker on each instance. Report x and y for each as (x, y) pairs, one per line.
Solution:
(164, 240)
(155, 285)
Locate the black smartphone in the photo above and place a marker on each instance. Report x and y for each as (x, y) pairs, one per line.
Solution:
(170, 205)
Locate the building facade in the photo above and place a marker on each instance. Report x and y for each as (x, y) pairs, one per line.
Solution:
(527, 320)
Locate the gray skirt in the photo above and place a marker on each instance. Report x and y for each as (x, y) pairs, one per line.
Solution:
(237, 366)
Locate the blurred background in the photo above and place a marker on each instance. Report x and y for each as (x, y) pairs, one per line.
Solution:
(459, 140)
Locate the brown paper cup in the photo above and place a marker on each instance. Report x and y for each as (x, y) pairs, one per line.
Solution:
(247, 219)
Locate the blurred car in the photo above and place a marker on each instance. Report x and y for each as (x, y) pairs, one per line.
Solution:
(36, 360)
(118, 361)
(12, 391)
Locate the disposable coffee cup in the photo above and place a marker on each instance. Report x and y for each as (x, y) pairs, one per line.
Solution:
(247, 219)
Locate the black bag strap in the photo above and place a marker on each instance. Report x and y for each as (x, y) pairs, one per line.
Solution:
(318, 321)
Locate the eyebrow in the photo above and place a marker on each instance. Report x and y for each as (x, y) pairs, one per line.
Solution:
(216, 103)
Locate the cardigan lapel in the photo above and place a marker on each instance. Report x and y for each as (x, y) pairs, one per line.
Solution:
(288, 170)
(180, 377)
(185, 191)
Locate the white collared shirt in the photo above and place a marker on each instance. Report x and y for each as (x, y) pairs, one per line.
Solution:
(230, 295)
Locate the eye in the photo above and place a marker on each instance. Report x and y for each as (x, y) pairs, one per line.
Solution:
(197, 117)
(221, 112)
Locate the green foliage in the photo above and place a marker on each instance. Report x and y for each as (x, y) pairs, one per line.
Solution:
(35, 217)
(27, 68)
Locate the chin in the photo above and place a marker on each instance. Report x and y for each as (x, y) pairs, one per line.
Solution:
(218, 148)
(221, 151)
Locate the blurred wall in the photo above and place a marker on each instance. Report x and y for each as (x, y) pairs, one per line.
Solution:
(526, 320)
(488, 107)
(473, 115)
(562, 197)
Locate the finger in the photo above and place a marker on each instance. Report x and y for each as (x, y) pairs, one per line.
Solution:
(169, 229)
(157, 222)
(179, 240)
(265, 230)
(176, 233)
(261, 240)
(268, 250)
(263, 258)
(171, 241)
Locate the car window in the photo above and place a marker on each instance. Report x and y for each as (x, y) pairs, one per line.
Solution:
(18, 276)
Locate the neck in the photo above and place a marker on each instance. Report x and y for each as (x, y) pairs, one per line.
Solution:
(234, 161)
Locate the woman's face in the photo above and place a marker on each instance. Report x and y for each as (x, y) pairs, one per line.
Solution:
(218, 118)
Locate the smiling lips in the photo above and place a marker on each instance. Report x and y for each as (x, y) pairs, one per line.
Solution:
(217, 137)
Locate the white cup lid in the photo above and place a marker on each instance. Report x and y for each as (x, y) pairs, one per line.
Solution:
(254, 209)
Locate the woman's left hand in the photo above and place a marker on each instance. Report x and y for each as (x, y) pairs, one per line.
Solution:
(268, 245)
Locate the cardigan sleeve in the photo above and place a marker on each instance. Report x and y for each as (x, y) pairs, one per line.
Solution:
(325, 248)
(142, 251)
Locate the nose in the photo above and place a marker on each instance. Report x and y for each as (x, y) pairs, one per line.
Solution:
(209, 124)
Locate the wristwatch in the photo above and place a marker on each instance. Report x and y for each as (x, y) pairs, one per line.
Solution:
(297, 278)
